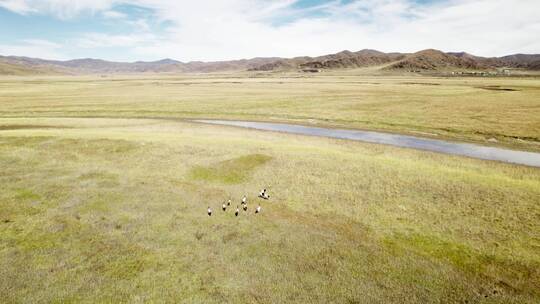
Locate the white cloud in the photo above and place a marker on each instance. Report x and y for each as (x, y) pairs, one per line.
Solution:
(227, 29)
(139, 25)
(60, 8)
(114, 15)
(210, 32)
(34, 48)
(18, 6)
(100, 40)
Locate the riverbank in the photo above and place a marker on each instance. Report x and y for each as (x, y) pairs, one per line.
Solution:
(489, 111)
(463, 149)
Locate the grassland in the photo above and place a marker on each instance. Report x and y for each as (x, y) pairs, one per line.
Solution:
(467, 109)
(114, 209)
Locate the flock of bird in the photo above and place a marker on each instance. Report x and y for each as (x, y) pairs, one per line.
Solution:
(263, 194)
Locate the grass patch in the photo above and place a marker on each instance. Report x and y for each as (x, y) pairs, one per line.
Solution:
(513, 276)
(101, 178)
(232, 171)
(458, 254)
(26, 195)
(102, 203)
(26, 127)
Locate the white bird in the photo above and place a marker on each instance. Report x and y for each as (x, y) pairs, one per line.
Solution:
(237, 211)
(228, 202)
(263, 194)
(224, 207)
(244, 200)
(209, 211)
(258, 209)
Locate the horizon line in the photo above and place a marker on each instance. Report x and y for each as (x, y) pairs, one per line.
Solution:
(257, 57)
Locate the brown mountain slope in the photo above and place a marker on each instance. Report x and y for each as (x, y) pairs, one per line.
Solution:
(221, 66)
(433, 60)
(282, 64)
(347, 59)
(8, 68)
(484, 61)
(426, 60)
(517, 61)
(534, 66)
(524, 61)
(341, 60)
(94, 66)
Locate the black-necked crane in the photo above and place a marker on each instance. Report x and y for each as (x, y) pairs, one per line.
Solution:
(245, 207)
(263, 194)
(258, 209)
(244, 200)
(228, 202)
(237, 211)
(209, 211)
(224, 207)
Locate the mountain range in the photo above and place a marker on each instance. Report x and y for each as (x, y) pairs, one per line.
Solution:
(423, 61)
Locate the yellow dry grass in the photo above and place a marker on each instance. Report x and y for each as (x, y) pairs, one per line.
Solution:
(114, 210)
(471, 109)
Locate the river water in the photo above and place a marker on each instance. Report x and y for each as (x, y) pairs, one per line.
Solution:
(407, 141)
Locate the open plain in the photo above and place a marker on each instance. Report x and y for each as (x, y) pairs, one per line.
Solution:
(105, 182)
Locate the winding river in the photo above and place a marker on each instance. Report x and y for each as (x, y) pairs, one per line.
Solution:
(407, 141)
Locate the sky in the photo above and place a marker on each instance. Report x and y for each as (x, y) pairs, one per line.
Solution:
(211, 30)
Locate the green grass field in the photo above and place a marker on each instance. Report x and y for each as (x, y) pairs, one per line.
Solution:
(113, 209)
(466, 109)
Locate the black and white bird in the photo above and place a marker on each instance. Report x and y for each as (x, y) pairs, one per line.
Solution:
(228, 202)
(244, 200)
(258, 209)
(209, 211)
(224, 207)
(245, 207)
(237, 211)
(263, 194)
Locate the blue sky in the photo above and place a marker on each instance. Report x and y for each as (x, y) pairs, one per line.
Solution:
(130, 30)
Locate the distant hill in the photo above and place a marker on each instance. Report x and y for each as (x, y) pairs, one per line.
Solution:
(96, 66)
(345, 59)
(423, 61)
(517, 61)
(434, 60)
(9, 68)
(531, 62)
(426, 60)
